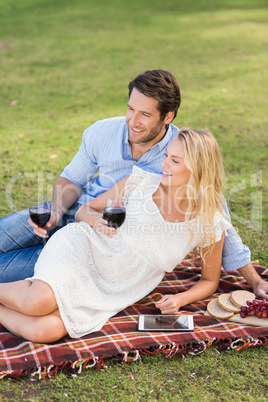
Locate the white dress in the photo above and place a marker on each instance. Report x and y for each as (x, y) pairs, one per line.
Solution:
(90, 286)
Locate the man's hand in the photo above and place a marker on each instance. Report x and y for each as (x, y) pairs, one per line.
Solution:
(259, 286)
(261, 290)
(42, 232)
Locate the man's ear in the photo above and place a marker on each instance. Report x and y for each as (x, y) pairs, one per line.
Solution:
(169, 117)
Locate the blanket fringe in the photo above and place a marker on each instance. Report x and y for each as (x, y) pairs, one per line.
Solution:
(169, 350)
(131, 356)
(247, 343)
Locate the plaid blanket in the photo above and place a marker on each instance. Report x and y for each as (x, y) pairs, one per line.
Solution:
(120, 339)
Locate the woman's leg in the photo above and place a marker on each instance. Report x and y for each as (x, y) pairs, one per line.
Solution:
(32, 298)
(45, 329)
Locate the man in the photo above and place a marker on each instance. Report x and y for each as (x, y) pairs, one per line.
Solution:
(112, 147)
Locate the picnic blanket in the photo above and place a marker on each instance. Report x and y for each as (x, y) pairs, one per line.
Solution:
(120, 339)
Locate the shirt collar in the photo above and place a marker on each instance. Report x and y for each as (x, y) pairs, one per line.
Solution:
(165, 140)
(125, 135)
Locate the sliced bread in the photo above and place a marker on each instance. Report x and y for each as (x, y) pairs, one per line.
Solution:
(240, 297)
(214, 309)
(225, 302)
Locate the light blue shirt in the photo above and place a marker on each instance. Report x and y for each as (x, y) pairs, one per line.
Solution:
(105, 149)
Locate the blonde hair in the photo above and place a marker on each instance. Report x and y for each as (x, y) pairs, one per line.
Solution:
(203, 159)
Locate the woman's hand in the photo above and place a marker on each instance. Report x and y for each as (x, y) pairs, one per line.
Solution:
(102, 226)
(169, 304)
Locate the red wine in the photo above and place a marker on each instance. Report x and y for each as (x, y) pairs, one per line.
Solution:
(39, 215)
(115, 216)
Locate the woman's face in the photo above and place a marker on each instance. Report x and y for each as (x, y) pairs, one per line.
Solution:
(175, 173)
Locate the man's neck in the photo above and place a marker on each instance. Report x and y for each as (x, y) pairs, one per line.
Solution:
(138, 150)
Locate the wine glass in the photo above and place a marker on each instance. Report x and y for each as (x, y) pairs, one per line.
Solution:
(114, 212)
(39, 211)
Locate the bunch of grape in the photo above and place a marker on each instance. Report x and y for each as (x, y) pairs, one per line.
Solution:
(258, 308)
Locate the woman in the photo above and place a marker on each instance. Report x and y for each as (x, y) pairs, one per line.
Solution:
(78, 286)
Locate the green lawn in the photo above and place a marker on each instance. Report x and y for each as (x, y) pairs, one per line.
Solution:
(64, 65)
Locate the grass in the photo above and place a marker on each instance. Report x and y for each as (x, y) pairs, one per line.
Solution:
(64, 65)
(209, 377)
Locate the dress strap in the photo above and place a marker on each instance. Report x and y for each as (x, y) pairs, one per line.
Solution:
(138, 179)
(135, 179)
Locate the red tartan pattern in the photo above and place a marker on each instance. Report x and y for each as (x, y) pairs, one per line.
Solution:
(119, 336)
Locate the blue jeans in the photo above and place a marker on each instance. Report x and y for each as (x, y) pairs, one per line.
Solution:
(20, 247)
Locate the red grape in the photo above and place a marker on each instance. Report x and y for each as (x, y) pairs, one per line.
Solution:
(258, 308)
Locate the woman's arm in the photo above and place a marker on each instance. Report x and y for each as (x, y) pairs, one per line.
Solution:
(92, 211)
(205, 287)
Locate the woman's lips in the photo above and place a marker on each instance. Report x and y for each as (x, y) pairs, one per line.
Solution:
(166, 174)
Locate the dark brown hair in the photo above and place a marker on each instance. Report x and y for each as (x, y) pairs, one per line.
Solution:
(159, 85)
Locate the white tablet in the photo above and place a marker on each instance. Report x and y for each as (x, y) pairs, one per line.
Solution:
(164, 323)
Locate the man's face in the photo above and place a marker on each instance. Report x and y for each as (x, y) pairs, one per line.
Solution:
(143, 119)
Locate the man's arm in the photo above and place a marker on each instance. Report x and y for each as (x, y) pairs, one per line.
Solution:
(68, 186)
(65, 193)
(236, 256)
(259, 286)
